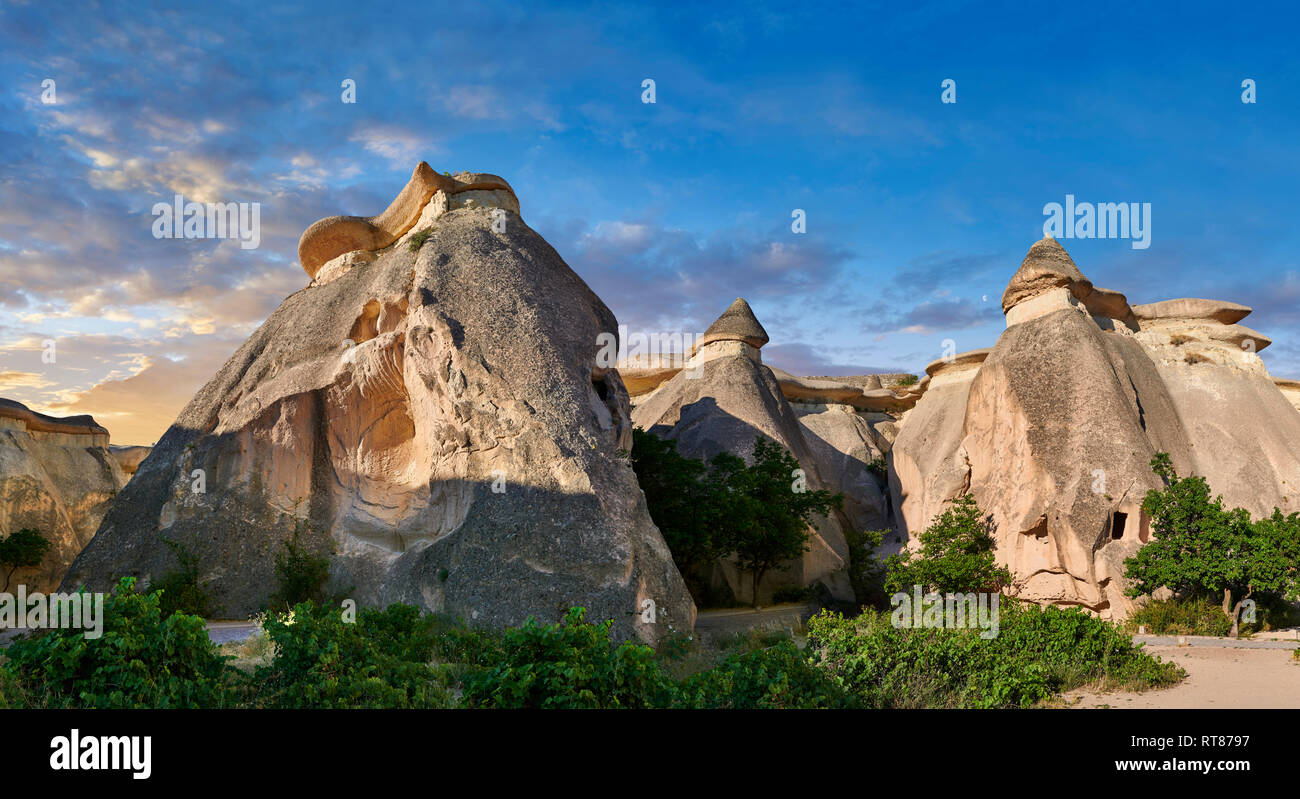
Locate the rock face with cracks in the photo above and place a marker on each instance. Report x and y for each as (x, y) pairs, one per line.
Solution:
(1054, 428)
(436, 422)
(57, 476)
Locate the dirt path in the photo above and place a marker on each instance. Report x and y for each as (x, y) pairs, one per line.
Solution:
(1217, 677)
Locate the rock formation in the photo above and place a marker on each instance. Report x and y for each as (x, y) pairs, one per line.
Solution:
(1053, 429)
(928, 464)
(434, 419)
(724, 397)
(57, 476)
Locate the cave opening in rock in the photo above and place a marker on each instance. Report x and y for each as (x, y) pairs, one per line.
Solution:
(1117, 525)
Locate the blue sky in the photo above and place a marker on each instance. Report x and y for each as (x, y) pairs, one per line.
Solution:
(918, 212)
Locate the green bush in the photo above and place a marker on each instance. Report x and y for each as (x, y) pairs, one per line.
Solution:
(181, 592)
(1036, 654)
(300, 575)
(323, 661)
(956, 555)
(572, 664)
(142, 660)
(779, 677)
(792, 593)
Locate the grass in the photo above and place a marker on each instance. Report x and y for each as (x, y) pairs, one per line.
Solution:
(418, 240)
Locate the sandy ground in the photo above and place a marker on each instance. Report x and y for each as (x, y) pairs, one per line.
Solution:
(1217, 677)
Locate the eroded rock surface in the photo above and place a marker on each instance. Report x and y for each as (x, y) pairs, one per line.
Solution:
(437, 421)
(57, 476)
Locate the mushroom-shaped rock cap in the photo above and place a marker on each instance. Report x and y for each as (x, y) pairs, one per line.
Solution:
(1221, 311)
(333, 236)
(737, 323)
(1046, 266)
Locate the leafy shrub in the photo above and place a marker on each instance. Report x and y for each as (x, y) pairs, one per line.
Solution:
(417, 240)
(300, 575)
(1037, 653)
(907, 380)
(323, 661)
(779, 677)
(572, 664)
(956, 555)
(142, 660)
(792, 593)
(181, 592)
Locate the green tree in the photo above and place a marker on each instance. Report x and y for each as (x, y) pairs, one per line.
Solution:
(770, 508)
(759, 512)
(685, 503)
(21, 550)
(956, 555)
(1199, 546)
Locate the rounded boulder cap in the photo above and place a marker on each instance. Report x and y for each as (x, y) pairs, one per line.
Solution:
(1046, 266)
(737, 323)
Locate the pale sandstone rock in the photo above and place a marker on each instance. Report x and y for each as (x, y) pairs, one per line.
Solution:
(927, 464)
(58, 476)
(438, 421)
(844, 443)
